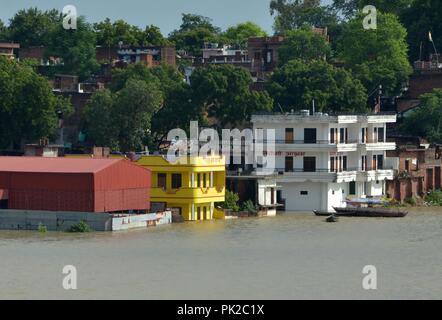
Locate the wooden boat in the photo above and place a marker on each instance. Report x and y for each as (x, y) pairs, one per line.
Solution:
(370, 212)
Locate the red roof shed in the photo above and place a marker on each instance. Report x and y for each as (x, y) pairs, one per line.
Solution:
(71, 184)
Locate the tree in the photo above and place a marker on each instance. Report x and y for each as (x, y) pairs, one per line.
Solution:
(426, 120)
(98, 119)
(152, 36)
(420, 18)
(110, 33)
(292, 14)
(32, 27)
(376, 57)
(76, 48)
(303, 44)
(223, 92)
(296, 84)
(195, 30)
(3, 31)
(134, 107)
(28, 108)
(239, 35)
(136, 71)
(350, 8)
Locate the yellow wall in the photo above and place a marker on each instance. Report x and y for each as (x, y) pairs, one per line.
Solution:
(198, 196)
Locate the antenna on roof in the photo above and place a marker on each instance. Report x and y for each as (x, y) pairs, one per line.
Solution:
(314, 107)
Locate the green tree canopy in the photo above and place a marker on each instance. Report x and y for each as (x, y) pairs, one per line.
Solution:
(28, 108)
(76, 48)
(420, 18)
(239, 35)
(296, 84)
(376, 57)
(32, 27)
(350, 8)
(98, 120)
(223, 92)
(3, 32)
(292, 14)
(195, 30)
(426, 120)
(303, 44)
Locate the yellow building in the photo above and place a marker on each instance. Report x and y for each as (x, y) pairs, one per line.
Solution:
(189, 186)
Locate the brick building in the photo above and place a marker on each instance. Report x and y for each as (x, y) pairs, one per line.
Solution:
(8, 50)
(427, 76)
(419, 168)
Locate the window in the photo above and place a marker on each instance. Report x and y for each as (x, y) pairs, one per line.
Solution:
(352, 187)
(288, 164)
(364, 135)
(332, 164)
(380, 162)
(332, 136)
(407, 165)
(198, 213)
(381, 133)
(198, 180)
(342, 135)
(205, 213)
(374, 164)
(309, 135)
(344, 163)
(304, 193)
(176, 181)
(309, 164)
(162, 178)
(364, 163)
(272, 196)
(204, 180)
(289, 135)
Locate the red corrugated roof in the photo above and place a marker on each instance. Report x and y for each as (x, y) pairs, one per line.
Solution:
(54, 165)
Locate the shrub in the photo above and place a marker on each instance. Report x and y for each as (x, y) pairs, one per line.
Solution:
(249, 207)
(231, 201)
(434, 198)
(411, 201)
(80, 227)
(42, 228)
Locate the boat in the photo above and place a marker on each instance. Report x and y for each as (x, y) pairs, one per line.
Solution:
(370, 212)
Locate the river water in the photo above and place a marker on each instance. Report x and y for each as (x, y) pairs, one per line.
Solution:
(292, 256)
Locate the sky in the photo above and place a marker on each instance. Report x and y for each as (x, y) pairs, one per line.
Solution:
(165, 14)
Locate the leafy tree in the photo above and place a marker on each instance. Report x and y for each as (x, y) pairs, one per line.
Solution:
(376, 57)
(136, 71)
(239, 35)
(195, 30)
(224, 93)
(27, 105)
(32, 27)
(134, 107)
(152, 36)
(76, 48)
(349, 8)
(420, 18)
(3, 31)
(296, 84)
(292, 14)
(303, 44)
(426, 120)
(98, 119)
(110, 33)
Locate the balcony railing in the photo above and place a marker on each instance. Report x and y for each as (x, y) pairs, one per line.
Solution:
(343, 170)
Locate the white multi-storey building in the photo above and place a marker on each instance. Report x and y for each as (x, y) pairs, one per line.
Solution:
(323, 160)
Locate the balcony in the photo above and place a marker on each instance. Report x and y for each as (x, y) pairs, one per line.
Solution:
(338, 176)
(215, 194)
(314, 145)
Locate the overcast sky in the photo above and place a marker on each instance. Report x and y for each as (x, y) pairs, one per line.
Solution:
(164, 13)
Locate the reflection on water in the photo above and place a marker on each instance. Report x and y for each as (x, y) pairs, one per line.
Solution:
(292, 256)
